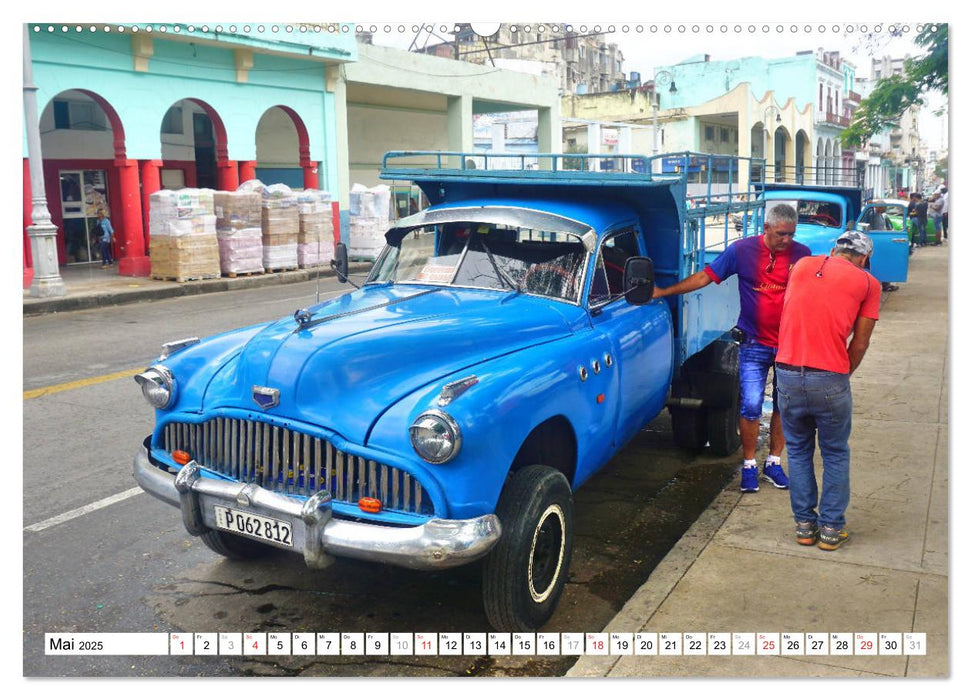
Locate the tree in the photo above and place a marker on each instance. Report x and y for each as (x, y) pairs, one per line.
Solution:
(895, 94)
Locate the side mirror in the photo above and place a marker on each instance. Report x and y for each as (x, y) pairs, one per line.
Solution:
(638, 280)
(339, 264)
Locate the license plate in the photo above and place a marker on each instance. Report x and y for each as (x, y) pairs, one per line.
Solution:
(255, 526)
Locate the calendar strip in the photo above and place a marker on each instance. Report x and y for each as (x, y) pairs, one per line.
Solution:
(396, 644)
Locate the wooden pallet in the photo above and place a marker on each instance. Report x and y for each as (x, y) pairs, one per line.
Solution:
(280, 269)
(234, 275)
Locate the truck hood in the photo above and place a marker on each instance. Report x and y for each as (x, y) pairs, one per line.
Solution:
(375, 346)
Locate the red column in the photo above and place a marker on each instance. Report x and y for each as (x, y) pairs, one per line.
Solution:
(151, 183)
(28, 207)
(129, 236)
(247, 170)
(227, 176)
(311, 179)
(335, 208)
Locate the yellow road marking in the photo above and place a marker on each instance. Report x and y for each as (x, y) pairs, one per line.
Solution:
(80, 384)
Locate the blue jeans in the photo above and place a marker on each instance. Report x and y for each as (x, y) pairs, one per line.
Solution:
(106, 252)
(817, 405)
(754, 360)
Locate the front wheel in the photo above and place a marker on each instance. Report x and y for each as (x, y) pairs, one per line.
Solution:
(524, 574)
(234, 546)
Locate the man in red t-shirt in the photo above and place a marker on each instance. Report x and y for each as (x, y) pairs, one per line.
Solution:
(830, 300)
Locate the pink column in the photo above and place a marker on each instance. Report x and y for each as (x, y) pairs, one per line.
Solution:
(227, 176)
(151, 183)
(247, 170)
(129, 236)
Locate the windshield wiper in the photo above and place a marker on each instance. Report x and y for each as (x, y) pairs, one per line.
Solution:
(500, 272)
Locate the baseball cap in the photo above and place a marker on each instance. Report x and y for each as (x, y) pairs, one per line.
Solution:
(855, 242)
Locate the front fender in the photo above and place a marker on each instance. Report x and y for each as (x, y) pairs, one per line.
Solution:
(514, 394)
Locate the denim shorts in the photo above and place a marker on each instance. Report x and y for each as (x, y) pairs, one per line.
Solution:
(754, 360)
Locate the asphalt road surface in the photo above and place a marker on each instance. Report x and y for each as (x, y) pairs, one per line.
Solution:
(102, 556)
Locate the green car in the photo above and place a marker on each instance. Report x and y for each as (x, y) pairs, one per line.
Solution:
(897, 216)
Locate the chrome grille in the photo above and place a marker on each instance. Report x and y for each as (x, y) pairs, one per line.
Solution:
(286, 461)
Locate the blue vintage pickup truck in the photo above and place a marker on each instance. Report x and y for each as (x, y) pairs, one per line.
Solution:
(503, 347)
(825, 211)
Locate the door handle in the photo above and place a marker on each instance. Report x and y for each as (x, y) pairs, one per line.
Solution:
(900, 240)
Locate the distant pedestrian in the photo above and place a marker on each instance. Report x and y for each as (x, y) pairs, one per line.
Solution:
(917, 211)
(944, 197)
(830, 300)
(935, 208)
(106, 238)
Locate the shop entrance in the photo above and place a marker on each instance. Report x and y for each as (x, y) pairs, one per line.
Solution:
(83, 194)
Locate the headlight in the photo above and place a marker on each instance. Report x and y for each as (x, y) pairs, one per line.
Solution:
(158, 386)
(436, 437)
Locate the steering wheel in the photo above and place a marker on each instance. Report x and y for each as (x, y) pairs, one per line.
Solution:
(562, 272)
(826, 220)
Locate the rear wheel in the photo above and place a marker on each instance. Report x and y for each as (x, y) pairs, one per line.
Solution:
(690, 428)
(234, 546)
(524, 574)
(724, 433)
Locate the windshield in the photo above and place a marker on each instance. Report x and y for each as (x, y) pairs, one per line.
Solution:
(487, 256)
(820, 213)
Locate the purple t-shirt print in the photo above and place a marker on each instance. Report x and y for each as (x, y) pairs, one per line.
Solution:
(762, 279)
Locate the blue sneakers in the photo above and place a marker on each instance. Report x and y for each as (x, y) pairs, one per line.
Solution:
(774, 475)
(750, 479)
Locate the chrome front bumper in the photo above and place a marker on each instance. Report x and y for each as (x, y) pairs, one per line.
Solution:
(437, 544)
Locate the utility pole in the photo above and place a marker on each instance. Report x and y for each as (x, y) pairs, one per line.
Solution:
(43, 234)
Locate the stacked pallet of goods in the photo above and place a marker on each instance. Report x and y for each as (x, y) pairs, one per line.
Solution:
(370, 218)
(281, 225)
(315, 242)
(182, 235)
(239, 230)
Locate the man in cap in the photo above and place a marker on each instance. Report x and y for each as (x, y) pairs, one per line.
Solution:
(831, 306)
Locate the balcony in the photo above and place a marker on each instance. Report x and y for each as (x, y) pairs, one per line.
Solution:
(854, 97)
(832, 118)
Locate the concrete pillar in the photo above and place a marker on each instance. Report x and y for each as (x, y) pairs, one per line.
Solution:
(129, 236)
(151, 183)
(247, 170)
(549, 134)
(460, 135)
(744, 152)
(790, 158)
(624, 147)
(594, 146)
(337, 85)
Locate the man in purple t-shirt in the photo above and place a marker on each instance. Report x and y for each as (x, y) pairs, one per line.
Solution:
(762, 264)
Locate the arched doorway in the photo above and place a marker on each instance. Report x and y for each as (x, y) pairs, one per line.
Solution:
(820, 163)
(827, 167)
(82, 138)
(194, 146)
(780, 141)
(802, 153)
(283, 150)
(758, 152)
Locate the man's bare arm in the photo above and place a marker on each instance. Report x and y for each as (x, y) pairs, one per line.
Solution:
(688, 284)
(860, 341)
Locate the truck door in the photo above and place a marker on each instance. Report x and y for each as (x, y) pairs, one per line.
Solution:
(891, 249)
(638, 337)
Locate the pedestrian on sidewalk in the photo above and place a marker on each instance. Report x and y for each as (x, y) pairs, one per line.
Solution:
(762, 264)
(830, 300)
(106, 238)
(917, 212)
(935, 207)
(945, 198)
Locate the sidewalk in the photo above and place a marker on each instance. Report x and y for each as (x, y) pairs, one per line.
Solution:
(739, 569)
(89, 286)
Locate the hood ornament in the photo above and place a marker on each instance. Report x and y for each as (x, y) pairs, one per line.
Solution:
(453, 390)
(266, 397)
(302, 317)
